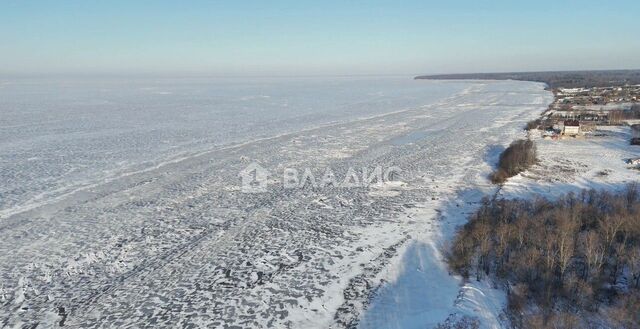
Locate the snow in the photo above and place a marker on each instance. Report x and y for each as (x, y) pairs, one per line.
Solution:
(420, 291)
(568, 165)
(121, 201)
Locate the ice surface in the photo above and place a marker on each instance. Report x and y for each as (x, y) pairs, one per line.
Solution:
(58, 136)
(120, 203)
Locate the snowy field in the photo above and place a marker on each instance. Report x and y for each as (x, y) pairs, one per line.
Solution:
(596, 161)
(120, 204)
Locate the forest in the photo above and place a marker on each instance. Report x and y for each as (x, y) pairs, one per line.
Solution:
(570, 262)
(554, 79)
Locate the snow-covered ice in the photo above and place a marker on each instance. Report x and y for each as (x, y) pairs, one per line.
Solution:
(120, 204)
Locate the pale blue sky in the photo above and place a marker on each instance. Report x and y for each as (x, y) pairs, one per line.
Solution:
(315, 37)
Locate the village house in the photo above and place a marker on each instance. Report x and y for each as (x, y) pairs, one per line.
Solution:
(571, 128)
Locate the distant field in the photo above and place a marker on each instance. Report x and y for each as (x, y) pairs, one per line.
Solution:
(566, 79)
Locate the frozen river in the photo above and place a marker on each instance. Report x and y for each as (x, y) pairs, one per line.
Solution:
(121, 203)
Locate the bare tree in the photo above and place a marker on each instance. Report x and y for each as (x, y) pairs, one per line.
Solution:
(594, 253)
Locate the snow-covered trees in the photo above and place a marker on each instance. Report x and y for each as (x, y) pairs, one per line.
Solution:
(567, 256)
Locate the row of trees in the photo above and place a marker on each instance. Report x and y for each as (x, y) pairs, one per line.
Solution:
(558, 259)
(617, 117)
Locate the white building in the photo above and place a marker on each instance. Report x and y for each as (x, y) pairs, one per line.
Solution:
(571, 128)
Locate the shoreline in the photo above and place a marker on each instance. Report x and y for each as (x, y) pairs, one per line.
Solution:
(481, 300)
(422, 265)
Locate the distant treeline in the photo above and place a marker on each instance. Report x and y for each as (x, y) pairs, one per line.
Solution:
(560, 79)
(563, 262)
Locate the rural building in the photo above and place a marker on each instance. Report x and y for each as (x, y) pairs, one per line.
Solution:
(571, 128)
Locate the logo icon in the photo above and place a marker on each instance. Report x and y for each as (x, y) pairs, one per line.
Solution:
(254, 179)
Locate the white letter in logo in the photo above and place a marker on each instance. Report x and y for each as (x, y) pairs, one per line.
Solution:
(376, 176)
(307, 175)
(392, 173)
(329, 178)
(290, 178)
(351, 179)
